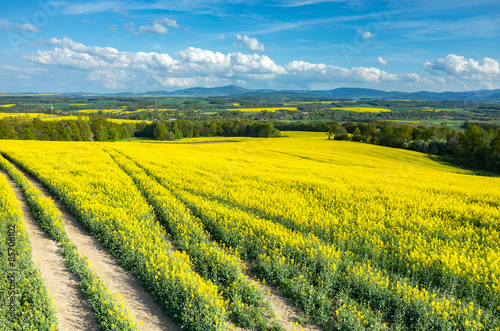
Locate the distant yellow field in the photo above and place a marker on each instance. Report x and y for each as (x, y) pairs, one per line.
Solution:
(413, 122)
(98, 110)
(23, 115)
(310, 102)
(143, 109)
(270, 109)
(364, 109)
(72, 117)
(119, 120)
(236, 104)
(417, 122)
(7, 106)
(442, 109)
(442, 124)
(152, 109)
(60, 118)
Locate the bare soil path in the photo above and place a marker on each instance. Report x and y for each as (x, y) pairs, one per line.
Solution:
(118, 279)
(73, 310)
(283, 307)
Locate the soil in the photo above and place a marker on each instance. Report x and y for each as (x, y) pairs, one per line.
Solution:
(287, 313)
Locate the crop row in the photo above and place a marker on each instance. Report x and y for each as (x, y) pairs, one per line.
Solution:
(246, 303)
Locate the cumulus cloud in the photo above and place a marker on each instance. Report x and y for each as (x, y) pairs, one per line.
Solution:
(325, 72)
(459, 67)
(79, 56)
(88, 22)
(381, 61)
(192, 66)
(216, 62)
(109, 65)
(251, 43)
(28, 27)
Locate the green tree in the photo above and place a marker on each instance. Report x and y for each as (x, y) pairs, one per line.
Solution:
(14, 135)
(161, 132)
(356, 134)
(470, 139)
(85, 132)
(4, 129)
(402, 136)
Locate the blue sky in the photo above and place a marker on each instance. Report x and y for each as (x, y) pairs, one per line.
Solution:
(114, 46)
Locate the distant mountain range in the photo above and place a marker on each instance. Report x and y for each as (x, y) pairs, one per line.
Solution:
(353, 93)
(344, 92)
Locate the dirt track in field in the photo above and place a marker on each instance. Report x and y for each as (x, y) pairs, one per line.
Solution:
(73, 310)
(118, 279)
(284, 308)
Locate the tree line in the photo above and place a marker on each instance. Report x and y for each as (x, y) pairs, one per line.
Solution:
(99, 128)
(170, 130)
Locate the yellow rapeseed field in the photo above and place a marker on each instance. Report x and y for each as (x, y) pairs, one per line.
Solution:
(24, 115)
(269, 109)
(364, 109)
(441, 109)
(358, 235)
(88, 111)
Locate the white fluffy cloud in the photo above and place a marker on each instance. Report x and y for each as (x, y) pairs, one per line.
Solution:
(381, 61)
(143, 71)
(325, 72)
(251, 43)
(194, 66)
(78, 56)
(459, 67)
(216, 62)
